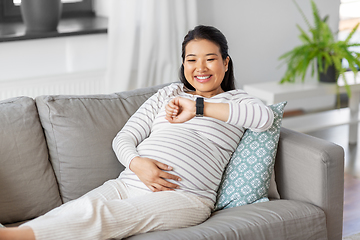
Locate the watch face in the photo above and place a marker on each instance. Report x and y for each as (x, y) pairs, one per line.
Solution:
(199, 107)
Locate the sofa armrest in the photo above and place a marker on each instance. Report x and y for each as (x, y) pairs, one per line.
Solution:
(311, 170)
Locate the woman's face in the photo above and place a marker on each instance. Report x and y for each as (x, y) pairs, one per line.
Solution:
(204, 67)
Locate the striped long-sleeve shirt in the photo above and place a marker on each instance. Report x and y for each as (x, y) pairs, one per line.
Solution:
(199, 149)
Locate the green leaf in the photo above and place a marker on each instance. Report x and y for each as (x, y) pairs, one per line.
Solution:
(351, 33)
(353, 61)
(302, 14)
(303, 36)
(313, 68)
(353, 45)
(346, 85)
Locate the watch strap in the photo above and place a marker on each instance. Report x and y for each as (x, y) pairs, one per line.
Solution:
(199, 107)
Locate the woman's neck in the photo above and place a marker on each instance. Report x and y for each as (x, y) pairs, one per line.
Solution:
(206, 94)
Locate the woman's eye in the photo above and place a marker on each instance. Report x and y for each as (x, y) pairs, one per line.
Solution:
(191, 60)
(211, 59)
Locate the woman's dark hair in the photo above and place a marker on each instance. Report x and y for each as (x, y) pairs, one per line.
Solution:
(214, 35)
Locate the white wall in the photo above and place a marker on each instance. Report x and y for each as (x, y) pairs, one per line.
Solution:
(259, 31)
(64, 65)
(52, 56)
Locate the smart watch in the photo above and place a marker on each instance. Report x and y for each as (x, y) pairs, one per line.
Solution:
(199, 107)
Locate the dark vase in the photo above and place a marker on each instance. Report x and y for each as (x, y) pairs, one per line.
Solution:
(41, 15)
(328, 76)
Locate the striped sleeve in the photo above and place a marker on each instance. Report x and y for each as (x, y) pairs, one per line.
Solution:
(138, 128)
(250, 112)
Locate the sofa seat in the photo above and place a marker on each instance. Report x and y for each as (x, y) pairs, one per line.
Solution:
(278, 219)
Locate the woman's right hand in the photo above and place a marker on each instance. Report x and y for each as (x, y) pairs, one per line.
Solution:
(152, 174)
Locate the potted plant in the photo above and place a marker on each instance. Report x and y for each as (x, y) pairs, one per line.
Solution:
(321, 51)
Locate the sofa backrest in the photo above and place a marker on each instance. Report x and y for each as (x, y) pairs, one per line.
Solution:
(79, 131)
(28, 186)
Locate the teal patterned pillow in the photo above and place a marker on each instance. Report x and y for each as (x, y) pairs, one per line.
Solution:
(247, 176)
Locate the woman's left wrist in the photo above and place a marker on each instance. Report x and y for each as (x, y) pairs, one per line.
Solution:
(199, 107)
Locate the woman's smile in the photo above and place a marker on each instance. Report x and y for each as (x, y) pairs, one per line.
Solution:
(203, 78)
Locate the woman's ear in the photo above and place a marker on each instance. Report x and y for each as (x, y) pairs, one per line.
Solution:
(226, 63)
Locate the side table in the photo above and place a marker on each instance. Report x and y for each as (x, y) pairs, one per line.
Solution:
(274, 92)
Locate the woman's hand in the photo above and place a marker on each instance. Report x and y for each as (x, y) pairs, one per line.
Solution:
(180, 110)
(151, 173)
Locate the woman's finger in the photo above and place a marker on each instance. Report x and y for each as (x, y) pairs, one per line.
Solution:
(163, 166)
(151, 188)
(159, 187)
(171, 110)
(168, 184)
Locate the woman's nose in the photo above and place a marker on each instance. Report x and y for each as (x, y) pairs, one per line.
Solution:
(201, 66)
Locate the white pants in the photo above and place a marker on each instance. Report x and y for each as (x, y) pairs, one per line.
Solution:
(115, 210)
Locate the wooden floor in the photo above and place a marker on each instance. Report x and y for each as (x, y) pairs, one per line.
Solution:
(339, 135)
(351, 223)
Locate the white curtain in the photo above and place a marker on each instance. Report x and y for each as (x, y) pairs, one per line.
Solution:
(145, 39)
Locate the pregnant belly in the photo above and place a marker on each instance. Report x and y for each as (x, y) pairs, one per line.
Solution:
(199, 166)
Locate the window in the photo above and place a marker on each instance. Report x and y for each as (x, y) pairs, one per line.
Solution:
(10, 9)
(349, 14)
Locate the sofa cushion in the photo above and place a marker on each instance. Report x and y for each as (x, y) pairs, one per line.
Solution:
(79, 131)
(278, 219)
(28, 186)
(247, 176)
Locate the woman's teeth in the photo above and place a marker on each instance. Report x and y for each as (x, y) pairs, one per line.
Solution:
(203, 77)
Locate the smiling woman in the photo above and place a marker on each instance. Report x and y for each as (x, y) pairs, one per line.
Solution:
(211, 62)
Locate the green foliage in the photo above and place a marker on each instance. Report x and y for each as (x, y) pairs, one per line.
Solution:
(319, 50)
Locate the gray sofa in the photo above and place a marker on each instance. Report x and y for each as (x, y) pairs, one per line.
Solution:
(56, 148)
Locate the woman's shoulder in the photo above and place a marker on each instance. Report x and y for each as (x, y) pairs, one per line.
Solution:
(232, 94)
(237, 91)
(172, 89)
